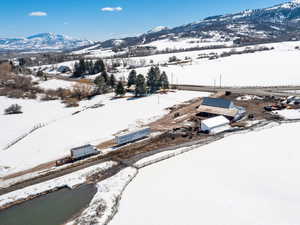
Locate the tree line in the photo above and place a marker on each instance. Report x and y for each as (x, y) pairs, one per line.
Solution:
(154, 81)
(88, 67)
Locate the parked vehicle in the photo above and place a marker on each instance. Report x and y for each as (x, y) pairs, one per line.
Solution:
(131, 136)
(274, 107)
(63, 161)
(83, 151)
(77, 154)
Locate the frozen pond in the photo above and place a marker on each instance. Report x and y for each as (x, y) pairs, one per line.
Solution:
(53, 209)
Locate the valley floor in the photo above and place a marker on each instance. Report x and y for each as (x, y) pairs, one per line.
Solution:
(242, 179)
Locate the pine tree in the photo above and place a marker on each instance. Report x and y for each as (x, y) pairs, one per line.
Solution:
(104, 74)
(99, 66)
(101, 85)
(76, 72)
(80, 68)
(164, 82)
(90, 67)
(131, 78)
(120, 90)
(40, 73)
(112, 81)
(140, 88)
(153, 79)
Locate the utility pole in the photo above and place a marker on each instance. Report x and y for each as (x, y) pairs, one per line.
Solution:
(220, 81)
(214, 84)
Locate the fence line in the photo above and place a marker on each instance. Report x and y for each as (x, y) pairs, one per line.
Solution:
(36, 127)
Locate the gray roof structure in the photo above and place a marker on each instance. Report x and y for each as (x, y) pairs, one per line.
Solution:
(217, 102)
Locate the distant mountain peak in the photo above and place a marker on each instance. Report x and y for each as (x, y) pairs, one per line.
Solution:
(43, 42)
(157, 29)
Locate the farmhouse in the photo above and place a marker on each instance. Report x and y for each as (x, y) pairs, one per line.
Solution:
(212, 107)
(215, 125)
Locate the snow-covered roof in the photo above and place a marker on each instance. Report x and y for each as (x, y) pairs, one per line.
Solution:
(216, 121)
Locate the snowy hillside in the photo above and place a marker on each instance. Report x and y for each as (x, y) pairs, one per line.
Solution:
(226, 182)
(64, 130)
(43, 41)
(266, 68)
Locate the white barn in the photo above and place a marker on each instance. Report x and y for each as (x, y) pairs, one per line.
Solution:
(215, 124)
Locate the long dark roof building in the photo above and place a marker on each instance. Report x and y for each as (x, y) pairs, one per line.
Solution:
(218, 102)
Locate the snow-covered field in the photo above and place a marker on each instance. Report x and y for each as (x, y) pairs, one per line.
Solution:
(34, 113)
(256, 69)
(243, 179)
(55, 84)
(290, 114)
(66, 131)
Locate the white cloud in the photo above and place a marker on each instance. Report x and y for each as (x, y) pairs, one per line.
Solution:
(111, 9)
(38, 14)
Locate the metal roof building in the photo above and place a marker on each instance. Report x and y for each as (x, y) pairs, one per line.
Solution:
(212, 107)
(215, 125)
(218, 102)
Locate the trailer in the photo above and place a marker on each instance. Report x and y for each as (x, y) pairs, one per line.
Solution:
(77, 154)
(83, 152)
(131, 136)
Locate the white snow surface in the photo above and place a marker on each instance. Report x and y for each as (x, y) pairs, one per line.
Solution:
(289, 114)
(71, 180)
(64, 131)
(108, 193)
(55, 84)
(257, 69)
(248, 179)
(34, 113)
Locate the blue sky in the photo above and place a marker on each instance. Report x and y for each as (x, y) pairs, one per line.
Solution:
(85, 19)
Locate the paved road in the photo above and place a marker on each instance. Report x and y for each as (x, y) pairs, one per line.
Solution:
(263, 91)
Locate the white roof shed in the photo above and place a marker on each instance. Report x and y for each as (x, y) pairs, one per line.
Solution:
(215, 125)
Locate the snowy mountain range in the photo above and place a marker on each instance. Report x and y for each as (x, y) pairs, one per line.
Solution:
(273, 24)
(42, 42)
(277, 23)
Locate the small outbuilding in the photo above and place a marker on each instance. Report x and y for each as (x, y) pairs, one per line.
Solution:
(215, 125)
(64, 69)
